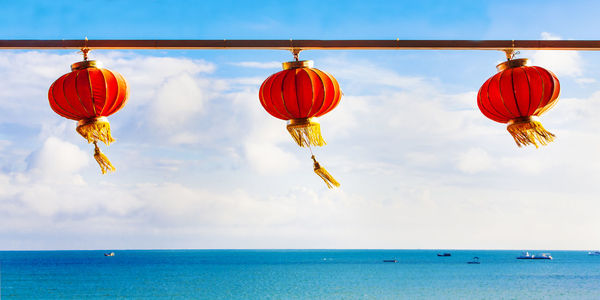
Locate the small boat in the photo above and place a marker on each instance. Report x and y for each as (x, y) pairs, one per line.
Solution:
(390, 260)
(594, 253)
(475, 261)
(444, 254)
(526, 255)
(109, 254)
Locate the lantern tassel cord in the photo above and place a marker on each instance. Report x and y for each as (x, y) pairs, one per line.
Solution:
(102, 160)
(329, 180)
(530, 133)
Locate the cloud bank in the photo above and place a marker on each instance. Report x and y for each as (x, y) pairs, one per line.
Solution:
(201, 165)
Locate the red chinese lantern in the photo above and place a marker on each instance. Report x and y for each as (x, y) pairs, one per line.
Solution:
(88, 95)
(517, 95)
(299, 94)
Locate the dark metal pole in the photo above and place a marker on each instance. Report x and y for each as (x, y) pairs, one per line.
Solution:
(591, 45)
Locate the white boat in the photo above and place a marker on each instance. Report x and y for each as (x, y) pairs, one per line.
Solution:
(594, 253)
(526, 255)
(475, 261)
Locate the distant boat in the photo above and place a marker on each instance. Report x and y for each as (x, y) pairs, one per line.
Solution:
(390, 260)
(109, 254)
(526, 255)
(475, 261)
(594, 253)
(444, 254)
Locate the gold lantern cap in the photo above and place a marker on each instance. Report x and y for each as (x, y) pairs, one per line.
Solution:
(297, 64)
(85, 64)
(512, 63)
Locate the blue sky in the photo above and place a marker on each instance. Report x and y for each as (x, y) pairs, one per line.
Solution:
(306, 19)
(201, 165)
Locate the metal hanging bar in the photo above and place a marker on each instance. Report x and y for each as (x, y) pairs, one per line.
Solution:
(591, 45)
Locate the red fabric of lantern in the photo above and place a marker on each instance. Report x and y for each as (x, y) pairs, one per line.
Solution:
(88, 95)
(518, 94)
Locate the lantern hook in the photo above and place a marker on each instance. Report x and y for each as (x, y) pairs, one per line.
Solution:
(295, 51)
(85, 49)
(510, 53)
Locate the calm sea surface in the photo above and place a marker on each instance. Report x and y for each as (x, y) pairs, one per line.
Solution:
(296, 274)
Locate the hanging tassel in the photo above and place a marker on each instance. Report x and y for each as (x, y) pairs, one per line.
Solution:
(329, 180)
(529, 131)
(306, 132)
(102, 160)
(95, 129)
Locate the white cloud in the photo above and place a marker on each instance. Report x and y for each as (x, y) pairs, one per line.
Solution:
(369, 74)
(527, 165)
(179, 99)
(561, 63)
(217, 171)
(421, 158)
(185, 137)
(57, 157)
(4, 144)
(263, 137)
(248, 81)
(474, 160)
(269, 159)
(585, 80)
(151, 69)
(259, 65)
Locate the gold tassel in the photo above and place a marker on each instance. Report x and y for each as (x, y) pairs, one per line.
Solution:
(306, 132)
(329, 180)
(102, 160)
(95, 129)
(529, 131)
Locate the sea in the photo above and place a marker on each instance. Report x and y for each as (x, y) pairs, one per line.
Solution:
(296, 274)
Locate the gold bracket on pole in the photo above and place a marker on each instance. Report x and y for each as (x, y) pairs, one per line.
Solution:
(295, 51)
(510, 53)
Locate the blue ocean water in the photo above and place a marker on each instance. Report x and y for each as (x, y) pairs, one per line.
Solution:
(296, 274)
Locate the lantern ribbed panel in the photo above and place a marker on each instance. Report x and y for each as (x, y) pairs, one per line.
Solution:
(88, 93)
(299, 93)
(518, 92)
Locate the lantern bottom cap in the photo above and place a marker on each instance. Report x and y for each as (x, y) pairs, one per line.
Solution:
(95, 129)
(92, 121)
(306, 132)
(529, 131)
(526, 119)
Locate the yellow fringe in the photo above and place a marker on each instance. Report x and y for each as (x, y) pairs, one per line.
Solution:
(96, 131)
(102, 160)
(530, 133)
(307, 134)
(329, 180)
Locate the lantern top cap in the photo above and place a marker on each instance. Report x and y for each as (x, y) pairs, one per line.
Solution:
(513, 63)
(297, 64)
(85, 64)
